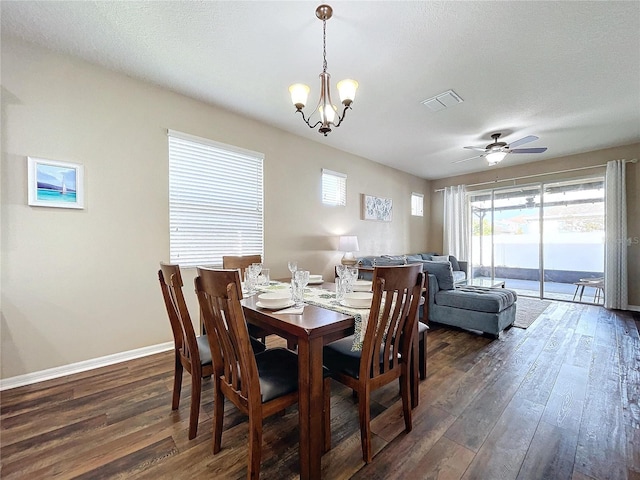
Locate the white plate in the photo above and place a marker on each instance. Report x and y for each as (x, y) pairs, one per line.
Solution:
(345, 304)
(316, 282)
(279, 307)
(362, 286)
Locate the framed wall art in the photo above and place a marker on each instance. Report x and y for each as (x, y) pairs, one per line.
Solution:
(55, 184)
(376, 208)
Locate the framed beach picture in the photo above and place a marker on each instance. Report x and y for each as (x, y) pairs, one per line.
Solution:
(376, 208)
(55, 184)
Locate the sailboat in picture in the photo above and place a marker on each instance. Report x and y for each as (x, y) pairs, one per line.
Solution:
(64, 188)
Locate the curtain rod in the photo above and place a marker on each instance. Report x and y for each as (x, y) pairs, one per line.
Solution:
(633, 160)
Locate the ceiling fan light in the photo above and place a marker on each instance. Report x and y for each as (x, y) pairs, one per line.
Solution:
(494, 158)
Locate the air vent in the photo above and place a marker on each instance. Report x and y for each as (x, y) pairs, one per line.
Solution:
(442, 101)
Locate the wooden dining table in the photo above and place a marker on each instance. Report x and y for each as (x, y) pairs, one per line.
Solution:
(311, 330)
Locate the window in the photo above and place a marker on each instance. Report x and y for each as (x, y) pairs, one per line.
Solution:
(215, 201)
(417, 204)
(334, 188)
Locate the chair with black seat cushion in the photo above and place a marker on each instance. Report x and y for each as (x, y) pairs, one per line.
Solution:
(241, 262)
(385, 354)
(259, 385)
(191, 353)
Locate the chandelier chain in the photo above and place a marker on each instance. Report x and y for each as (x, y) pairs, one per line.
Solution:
(324, 46)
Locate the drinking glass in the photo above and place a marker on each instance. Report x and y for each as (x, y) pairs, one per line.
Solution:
(300, 281)
(253, 271)
(351, 276)
(341, 284)
(293, 266)
(340, 270)
(264, 278)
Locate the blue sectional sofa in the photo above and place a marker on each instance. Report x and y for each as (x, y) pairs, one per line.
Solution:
(450, 300)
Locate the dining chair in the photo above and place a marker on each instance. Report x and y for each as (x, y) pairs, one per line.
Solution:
(386, 348)
(260, 385)
(191, 352)
(241, 263)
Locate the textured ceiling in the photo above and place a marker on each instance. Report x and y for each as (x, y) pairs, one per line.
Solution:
(568, 72)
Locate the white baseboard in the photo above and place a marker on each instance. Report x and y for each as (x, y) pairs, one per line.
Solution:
(29, 378)
(634, 308)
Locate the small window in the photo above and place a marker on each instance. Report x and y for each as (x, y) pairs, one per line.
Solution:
(334, 188)
(417, 204)
(215, 201)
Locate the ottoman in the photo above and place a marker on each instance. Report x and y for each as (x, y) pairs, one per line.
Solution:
(489, 310)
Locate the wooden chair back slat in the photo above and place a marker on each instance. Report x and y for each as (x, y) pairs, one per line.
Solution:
(183, 332)
(222, 314)
(396, 298)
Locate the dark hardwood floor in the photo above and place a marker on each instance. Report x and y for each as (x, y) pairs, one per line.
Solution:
(559, 400)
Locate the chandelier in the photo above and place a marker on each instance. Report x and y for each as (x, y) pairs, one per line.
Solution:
(326, 109)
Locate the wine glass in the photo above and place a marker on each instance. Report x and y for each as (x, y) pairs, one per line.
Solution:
(293, 266)
(340, 270)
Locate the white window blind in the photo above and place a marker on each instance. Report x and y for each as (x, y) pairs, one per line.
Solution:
(417, 204)
(215, 201)
(334, 188)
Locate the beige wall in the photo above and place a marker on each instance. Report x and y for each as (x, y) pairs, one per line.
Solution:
(588, 159)
(81, 284)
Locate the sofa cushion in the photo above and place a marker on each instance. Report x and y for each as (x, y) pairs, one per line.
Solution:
(442, 272)
(458, 276)
(389, 260)
(479, 299)
(366, 261)
(427, 256)
(416, 258)
(454, 263)
(440, 258)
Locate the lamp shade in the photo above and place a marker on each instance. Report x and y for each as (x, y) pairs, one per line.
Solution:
(348, 243)
(347, 90)
(299, 94)
(495, 157)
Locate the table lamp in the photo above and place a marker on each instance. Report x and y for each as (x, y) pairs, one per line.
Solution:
(348, 244)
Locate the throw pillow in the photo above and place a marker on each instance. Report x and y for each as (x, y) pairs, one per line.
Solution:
(454, 263)
(440, 258)
(442, 271)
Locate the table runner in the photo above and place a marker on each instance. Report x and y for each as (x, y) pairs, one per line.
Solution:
(320, 297)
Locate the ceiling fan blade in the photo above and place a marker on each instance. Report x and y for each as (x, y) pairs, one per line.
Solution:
(467, 159)
(522, 141)
(480, 149)
(529, 150)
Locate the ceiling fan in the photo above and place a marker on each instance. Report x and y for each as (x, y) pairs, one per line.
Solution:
(496, 151)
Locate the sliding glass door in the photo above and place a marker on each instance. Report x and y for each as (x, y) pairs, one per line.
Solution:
(573, 239)
(544, 240)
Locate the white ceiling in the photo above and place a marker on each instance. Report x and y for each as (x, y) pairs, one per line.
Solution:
(568, 72)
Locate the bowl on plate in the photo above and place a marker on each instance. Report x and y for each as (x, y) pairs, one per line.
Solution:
(358, 299)
(275, 299)
(362, 285)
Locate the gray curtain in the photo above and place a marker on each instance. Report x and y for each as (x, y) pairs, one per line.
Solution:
(615, 264)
